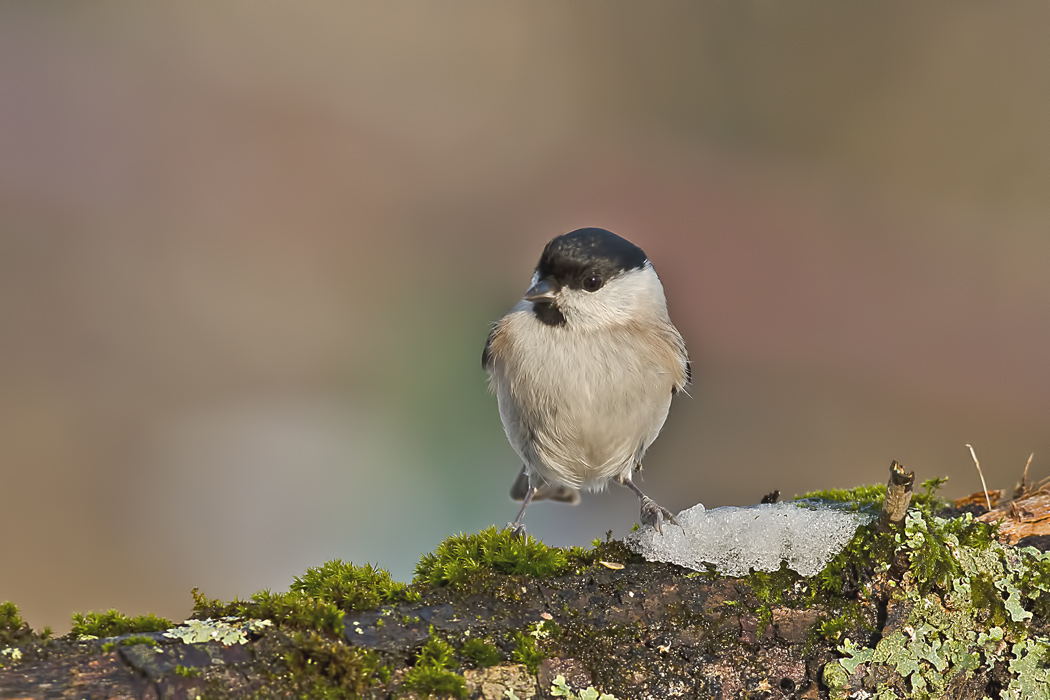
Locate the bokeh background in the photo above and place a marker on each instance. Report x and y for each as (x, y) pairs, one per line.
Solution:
(249, 254)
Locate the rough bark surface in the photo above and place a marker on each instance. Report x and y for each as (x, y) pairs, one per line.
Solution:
(644, 631)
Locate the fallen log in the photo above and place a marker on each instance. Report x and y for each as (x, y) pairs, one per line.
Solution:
(915, 605)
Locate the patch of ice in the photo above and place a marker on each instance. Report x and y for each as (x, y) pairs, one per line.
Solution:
(736, 540)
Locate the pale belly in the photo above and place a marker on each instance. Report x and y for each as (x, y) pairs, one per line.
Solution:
(581, 416)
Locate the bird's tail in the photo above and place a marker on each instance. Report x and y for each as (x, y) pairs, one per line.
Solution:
(544, 491)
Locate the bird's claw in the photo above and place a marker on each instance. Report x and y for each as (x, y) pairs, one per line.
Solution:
(654, 514)
(517, 530)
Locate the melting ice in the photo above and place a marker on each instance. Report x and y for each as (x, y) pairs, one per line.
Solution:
(736, 540)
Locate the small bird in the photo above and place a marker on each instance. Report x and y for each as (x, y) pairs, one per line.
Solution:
(584, 368)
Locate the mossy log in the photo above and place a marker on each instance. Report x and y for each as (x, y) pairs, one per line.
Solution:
(930, 607)
(646, 630)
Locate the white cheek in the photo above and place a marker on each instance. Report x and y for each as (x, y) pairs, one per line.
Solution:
(585, 309)
(633, 295)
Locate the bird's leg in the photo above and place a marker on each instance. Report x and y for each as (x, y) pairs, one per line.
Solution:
(652, 512)
(518, 527)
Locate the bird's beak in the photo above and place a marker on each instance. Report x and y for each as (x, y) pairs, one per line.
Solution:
(542, 291)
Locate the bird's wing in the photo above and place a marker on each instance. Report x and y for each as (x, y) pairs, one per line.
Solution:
(486, 354)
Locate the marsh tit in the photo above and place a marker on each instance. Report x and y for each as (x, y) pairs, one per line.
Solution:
(584, 368)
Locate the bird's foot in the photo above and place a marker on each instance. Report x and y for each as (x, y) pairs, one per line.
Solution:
(517, 530)
(655, 514)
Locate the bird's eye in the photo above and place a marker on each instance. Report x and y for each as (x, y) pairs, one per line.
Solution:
(593, 283)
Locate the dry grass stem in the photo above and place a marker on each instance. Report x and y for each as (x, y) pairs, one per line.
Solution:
(1024, 474)
(981, 474)
(1026, 515)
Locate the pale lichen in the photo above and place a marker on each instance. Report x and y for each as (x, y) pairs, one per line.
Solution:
(560, 689)
(222, 631)
(964, 605)
(1031, 672)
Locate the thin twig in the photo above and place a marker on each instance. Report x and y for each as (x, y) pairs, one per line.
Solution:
(979, 472)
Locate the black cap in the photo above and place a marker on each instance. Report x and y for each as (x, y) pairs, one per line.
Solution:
(571, 258)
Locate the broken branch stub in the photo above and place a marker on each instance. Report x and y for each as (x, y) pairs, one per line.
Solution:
(898, 496)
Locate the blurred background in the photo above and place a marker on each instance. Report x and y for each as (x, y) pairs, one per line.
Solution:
(249, 255)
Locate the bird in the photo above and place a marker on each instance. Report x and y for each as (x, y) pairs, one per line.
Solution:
(584, 368)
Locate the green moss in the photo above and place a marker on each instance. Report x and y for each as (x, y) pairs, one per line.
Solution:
(833, 589)
(352, 588)
(322, 667)
(869, 551)
(614, 550)
(865, 498)
(833, 628)
(10, 618)
(13, 629)
(435, 682)
(293, 609)
(138, 639)
(870, 498)
(526, 652)
(187, 672)
(461, 557)
(211, 607)
(770, 589)
(436, 653)
(316, 600)
(928, 501)
(431, 675)
(113, 623)
(844, 616)
(932, 545)
(481, 653)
